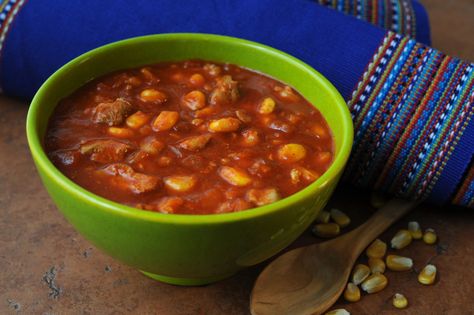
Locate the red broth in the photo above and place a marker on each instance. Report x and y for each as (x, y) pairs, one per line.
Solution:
(190, 137)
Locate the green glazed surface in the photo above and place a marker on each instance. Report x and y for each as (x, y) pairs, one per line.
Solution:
(188, 249)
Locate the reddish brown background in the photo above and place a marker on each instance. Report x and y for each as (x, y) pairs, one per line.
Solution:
(47, 268)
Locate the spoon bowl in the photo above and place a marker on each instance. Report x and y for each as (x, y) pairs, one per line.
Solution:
(309, 280)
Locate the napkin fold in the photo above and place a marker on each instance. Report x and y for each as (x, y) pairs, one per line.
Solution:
(412, 106)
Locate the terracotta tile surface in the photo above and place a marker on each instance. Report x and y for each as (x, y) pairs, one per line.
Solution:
(47, 268)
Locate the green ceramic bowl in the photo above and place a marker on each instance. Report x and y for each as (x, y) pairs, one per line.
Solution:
(188, 249)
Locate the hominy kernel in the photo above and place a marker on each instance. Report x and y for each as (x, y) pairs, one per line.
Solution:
(151, 145)
(267, 106)
(197, 79)
(137, 120)
(250, 137)
(120, 132)
(180, 183)
(319, 131)
(323, 157)
(292, 152)
(194, 100)
(165, 120)
(152, 95)
(262, 197)
(234, 176)
(147, 74)
(228, 124)
(195, 143)
(134, 81)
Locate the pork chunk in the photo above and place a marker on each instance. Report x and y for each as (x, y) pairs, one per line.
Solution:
(112, 113)
(225, 92)
(126, 177)
(105, 151)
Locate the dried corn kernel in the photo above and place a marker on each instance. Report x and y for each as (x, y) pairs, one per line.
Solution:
(374, 283)
(377, 249)
(197, 79)
(339, 311)
(401, 239)
(165, 120)
(340, 217)
(360, 273)
(180, 183)
(120, 132)
(267, 106)
(399, 301)
(398, 263)
(428, 275)
(377, 200)
(194, 100)
(326, 230)
(376, 265)
(152, 95)
(292, 152)
(352, 292)
(228, 124)
(234, 176)
(415, 230)
(430, 236)
(323, 217)
(137, 120)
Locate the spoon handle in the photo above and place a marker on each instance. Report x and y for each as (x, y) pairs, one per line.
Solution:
(380, 221)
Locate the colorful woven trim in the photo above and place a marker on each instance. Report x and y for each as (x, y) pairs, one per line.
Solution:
(395, 15)
(465, 194)
(8, 11)
(410, 109)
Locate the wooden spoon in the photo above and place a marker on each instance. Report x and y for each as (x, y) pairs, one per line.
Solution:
(309, 280)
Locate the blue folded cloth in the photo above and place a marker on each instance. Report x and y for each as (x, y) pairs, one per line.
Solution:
(411, 105)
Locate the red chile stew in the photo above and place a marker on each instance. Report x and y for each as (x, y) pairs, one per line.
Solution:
(191, 137)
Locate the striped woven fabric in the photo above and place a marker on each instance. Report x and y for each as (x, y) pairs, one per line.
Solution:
(8, 11)
(411, 111)
(465, 194)
(395, 15)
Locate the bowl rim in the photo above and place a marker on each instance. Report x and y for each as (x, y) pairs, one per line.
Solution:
(44, 163)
